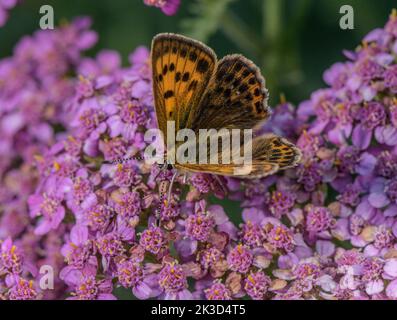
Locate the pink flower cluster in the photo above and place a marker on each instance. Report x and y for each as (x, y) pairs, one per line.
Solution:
(168, 7)
(340, 203)
(324, 230)
(34, 86)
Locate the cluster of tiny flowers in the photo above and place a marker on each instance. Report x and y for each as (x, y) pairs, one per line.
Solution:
(332, 220)
(326, 229)
(13, 272)
(105, 207)
(168, 7)
(34, 86)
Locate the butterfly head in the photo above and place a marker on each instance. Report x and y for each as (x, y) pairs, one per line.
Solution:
(165, 166)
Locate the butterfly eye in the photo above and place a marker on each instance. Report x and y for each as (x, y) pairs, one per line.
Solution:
(160, 165)
(169, 167)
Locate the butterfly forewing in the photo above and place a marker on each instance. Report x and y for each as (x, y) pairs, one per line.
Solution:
(181, 69)
(236, 97)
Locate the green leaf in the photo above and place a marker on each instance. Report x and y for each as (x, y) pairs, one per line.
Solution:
(232, 209)
(123, 293)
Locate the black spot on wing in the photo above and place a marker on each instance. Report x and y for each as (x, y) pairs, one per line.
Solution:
(229, 77)
(202, 66)
(168, 94)
(227, 93)
(258, 106)
(243, 88)
(185, 76)
(193, 56)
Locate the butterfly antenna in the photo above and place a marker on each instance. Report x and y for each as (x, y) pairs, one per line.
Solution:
(220, 183)
(123, 160)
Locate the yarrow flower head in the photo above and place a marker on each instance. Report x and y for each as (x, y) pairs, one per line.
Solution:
(10, 258)
(217, 291)
(306, 270)
(252, 234)
(280, 237)
(199, 226)
(256, 285)
(240, 259)
(172, 279)
(168, 7)
(110, 245)
(129, 273)
(14, 272)
(209, 257)
(88, 288)
(23, 290)
(280, 203)
(128, 204)
(152, 239)
(318, 219)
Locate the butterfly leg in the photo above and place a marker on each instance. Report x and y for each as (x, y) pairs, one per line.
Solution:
(162, 192)
(220, 182)
(123, 160)
(171, 185)
(184, 178)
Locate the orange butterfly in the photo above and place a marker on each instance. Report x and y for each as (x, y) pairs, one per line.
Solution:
(196, 91)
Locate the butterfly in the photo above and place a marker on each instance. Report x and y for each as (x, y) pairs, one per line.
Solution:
(196, 91)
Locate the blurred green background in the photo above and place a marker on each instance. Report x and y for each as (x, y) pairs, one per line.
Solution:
(293, 41)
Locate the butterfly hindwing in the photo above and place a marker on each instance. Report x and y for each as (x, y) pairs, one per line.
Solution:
(236, 96)
(270, 148)
(181, 68)
(256, 170)
(270, 153)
